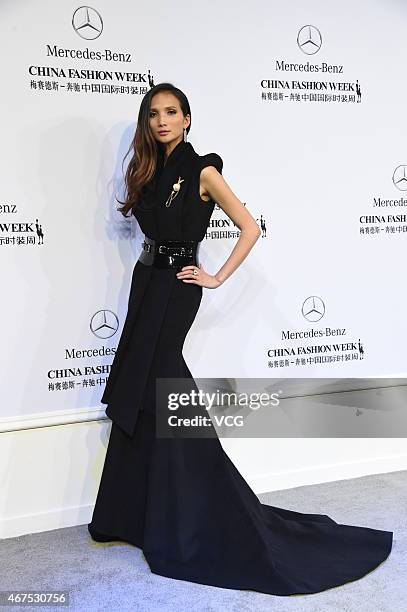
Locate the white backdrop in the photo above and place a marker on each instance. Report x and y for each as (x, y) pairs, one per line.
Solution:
(272, 88)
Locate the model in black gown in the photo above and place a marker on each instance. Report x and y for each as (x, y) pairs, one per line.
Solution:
(182, 501)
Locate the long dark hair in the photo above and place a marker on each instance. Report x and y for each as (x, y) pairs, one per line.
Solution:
(143, 164)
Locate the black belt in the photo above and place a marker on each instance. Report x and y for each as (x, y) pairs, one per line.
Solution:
(169, 253)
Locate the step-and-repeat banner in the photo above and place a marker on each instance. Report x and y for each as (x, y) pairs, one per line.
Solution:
(304, 103)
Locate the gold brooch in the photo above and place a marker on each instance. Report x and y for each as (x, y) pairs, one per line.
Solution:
(175, 190)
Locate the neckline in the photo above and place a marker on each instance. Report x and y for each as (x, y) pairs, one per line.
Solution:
(175, 154)
(159, 186)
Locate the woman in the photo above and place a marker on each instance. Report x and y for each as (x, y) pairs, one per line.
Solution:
(182, 500)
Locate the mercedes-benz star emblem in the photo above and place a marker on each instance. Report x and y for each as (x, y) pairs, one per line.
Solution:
(400, 177)
(104, 324)
(309, 39)
(313, 308)
(87, 23)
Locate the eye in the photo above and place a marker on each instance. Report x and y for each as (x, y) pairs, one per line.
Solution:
(172, 111)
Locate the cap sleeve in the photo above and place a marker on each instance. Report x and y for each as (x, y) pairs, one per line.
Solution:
(211, 159)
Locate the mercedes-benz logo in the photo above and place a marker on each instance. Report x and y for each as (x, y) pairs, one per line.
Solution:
(87, 23)
(400, 177)
(313, 308)
(309, 39)
(104, 324)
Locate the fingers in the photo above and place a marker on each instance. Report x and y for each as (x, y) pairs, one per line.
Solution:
(186, 268)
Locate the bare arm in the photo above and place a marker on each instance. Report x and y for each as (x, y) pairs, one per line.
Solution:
(217, 188)
(214, 184)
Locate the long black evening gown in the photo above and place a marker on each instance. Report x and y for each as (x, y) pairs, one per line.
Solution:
(182, 500)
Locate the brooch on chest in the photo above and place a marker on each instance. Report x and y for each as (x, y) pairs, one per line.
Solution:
(175, 191)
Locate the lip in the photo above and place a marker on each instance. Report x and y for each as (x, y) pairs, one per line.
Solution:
(164, 132)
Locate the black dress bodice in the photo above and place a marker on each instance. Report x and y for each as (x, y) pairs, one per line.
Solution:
(187, 216)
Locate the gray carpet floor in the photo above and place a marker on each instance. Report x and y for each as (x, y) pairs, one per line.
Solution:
(115, 576)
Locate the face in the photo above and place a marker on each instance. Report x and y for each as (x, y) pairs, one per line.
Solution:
(166, 119)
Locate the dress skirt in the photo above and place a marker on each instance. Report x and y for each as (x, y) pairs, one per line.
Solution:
(182, 500)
